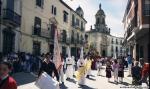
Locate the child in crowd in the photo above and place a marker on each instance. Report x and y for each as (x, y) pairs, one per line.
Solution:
(121, 71)
(108, 71)
(99, 66)
(115, 67)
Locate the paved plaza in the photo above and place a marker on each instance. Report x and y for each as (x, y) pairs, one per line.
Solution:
(27, 81)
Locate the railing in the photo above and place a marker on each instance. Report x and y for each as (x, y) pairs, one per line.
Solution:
(45, 33)
(41, 32)
(13, 17)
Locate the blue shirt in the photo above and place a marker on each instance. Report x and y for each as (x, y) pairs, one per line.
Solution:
(129, 60)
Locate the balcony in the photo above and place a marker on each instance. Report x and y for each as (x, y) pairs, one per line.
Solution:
(11, 18)
(132, 26)
(41, 32)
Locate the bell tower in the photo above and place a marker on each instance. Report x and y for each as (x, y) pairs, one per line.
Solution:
(100, 24)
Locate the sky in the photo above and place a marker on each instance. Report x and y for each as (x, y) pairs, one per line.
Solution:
(114, 10)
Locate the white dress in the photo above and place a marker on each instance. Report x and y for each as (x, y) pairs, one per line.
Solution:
(69, 67)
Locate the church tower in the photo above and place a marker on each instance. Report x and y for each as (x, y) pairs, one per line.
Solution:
(100, 25)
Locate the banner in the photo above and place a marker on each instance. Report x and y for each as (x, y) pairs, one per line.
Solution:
(46, 82)
(56, 56)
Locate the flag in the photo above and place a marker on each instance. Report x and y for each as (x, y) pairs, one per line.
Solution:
(56, 55)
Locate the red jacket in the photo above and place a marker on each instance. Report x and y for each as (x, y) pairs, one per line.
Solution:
(10, 83)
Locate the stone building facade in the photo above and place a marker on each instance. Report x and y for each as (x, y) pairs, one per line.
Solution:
(101, 38)
(38, 21)
(136, 25)
(10, 25)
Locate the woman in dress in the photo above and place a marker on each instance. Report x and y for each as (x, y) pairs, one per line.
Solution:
(108, 71)
(121, 71)
(115, 67)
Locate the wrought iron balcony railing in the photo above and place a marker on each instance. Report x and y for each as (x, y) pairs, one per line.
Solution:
(10, 17)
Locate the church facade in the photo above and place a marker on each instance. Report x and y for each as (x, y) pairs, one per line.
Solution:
(100, 38)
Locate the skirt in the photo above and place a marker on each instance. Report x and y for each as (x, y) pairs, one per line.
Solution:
(120, 73)
(108, 74)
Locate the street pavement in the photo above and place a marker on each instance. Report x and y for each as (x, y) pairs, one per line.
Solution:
(27, 81)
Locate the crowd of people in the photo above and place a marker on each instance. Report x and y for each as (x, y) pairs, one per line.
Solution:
(138, 70)
(23, 62)
(26, 62)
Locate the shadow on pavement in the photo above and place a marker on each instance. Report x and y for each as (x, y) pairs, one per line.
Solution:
(91, 79)
(92, 75)
(125, 83)
(23, 78)
(113, 82)
(71, 80)
(86, 87)
(62, 86)
(102, 76)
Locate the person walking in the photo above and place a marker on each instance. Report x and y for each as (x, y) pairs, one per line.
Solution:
(48, 67)
(69, 68)
(6, 81)
(115, 67)
(129, 60)
(108, 71)
(121, 71)
(136, 73)
(99, 67)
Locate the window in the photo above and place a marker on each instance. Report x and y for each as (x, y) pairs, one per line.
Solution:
(37, 26)
(10, 4)
(73, 20)
(0, 6)
(65, 16)
(52, 9)
(120, 49)
(141, 52)
(112, 41)
(116, 49)
(55, 11)
(97, 21)
(116, 41)
(112, 48)
(77, 22)
(120, 42)
(146, 7)
(64, 36)
(36, 48)
(40, 3)
(82, 28)
(52, 32)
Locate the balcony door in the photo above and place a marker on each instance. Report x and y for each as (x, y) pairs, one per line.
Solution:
(36, 48)
(8, 41)
(37, 26)
(10, 5)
